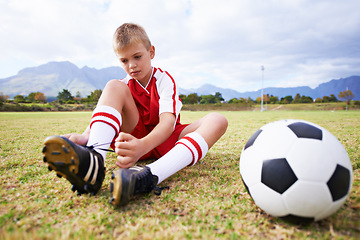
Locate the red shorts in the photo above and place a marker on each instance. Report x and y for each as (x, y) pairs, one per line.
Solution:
(141, 131)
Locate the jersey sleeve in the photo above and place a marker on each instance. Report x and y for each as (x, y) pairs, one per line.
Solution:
(169, 100)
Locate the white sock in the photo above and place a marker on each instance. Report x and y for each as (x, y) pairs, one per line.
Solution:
(186, 152)
(104, 127)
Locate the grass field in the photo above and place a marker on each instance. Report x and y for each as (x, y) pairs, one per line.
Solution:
(207, 201)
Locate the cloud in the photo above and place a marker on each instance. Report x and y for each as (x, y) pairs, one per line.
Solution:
(300, 42)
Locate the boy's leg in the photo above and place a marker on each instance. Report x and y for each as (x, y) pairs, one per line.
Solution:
(84, 166)
(186, 152)
(115, 109)
(104, 127)
(195, 141)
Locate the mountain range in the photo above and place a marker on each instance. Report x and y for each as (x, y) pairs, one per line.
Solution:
(51, 78)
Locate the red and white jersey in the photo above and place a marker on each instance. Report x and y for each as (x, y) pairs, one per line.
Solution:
(159, 96)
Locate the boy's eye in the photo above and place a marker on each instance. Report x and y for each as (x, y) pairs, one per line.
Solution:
(138, 57)
(124, 60)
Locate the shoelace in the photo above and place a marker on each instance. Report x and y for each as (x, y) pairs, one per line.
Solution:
(156, 190)
(96, 146)
(145, 183)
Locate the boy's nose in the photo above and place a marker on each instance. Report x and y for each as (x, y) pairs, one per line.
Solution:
(132, 65)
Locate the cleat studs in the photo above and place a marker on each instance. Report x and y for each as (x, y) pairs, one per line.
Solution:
(44, 159)
(65, 149)
(55, 153)
(58, 175)
(78, 193)
(73, 171)
(73, 188)
(111, 187)
(44, 149)
(111, 200)
(59, 163)
(112, 176)
(50, 168)
(73, 161)
(93, 193)
(87, 188)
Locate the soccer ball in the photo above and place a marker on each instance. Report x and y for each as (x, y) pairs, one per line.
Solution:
(296, 170)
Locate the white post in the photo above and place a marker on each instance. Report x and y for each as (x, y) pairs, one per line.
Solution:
(262, 89)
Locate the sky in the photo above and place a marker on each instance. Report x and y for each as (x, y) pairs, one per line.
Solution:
(224, 43)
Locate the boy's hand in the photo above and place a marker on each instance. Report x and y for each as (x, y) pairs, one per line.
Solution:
(77, 138)
(129, 150)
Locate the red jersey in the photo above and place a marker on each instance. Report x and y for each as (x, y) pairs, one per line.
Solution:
(160, 95)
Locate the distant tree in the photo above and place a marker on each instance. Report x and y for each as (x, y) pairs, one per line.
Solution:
(64, 96)
(266, 99)
(273, 99)
(297, 98)
(333, 98)
(207, 99)
(193, 98)
(78, 94)
(95, 95)
(219, 97)
(346, 96)
(31, 97)
(287, 99)
(234, 100)
(40, 97)
(3, 97)
(244, 100)
(306, 99)
(318, 100)
(19, 99)
(326, 99)
(183, 98)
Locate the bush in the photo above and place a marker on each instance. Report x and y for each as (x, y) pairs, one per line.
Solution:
(72, 101)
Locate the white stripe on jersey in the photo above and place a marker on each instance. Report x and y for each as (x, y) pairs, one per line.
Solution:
(168, 94)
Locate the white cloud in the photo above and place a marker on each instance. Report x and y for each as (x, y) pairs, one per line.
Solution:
(300, 42)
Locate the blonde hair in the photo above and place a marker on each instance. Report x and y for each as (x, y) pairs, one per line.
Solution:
(129, 33)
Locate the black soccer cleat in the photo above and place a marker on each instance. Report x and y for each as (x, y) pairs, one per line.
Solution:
(127, 183)
(82, 166)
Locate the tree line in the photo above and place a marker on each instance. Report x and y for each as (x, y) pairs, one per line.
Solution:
(65, 96)
(193, 98)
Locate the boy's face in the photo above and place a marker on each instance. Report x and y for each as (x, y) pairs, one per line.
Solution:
(135, 59)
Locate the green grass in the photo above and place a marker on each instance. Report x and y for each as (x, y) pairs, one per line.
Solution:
(206, 201)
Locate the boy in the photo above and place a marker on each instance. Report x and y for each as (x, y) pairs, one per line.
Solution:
(139, 118)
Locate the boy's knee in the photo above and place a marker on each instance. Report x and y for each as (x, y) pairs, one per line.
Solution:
(219, 120)
(114, 83)
(117, 86)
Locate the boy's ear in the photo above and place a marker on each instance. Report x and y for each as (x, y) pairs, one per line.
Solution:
(152, 51)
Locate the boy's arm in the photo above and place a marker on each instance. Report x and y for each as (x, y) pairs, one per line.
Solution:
(130, 149)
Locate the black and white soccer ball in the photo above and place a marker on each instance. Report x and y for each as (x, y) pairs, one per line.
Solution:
(296, 170)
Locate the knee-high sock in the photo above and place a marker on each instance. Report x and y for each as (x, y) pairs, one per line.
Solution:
(186, 152)
(104, 127)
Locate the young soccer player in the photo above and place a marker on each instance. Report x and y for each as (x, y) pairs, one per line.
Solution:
(139, 117)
